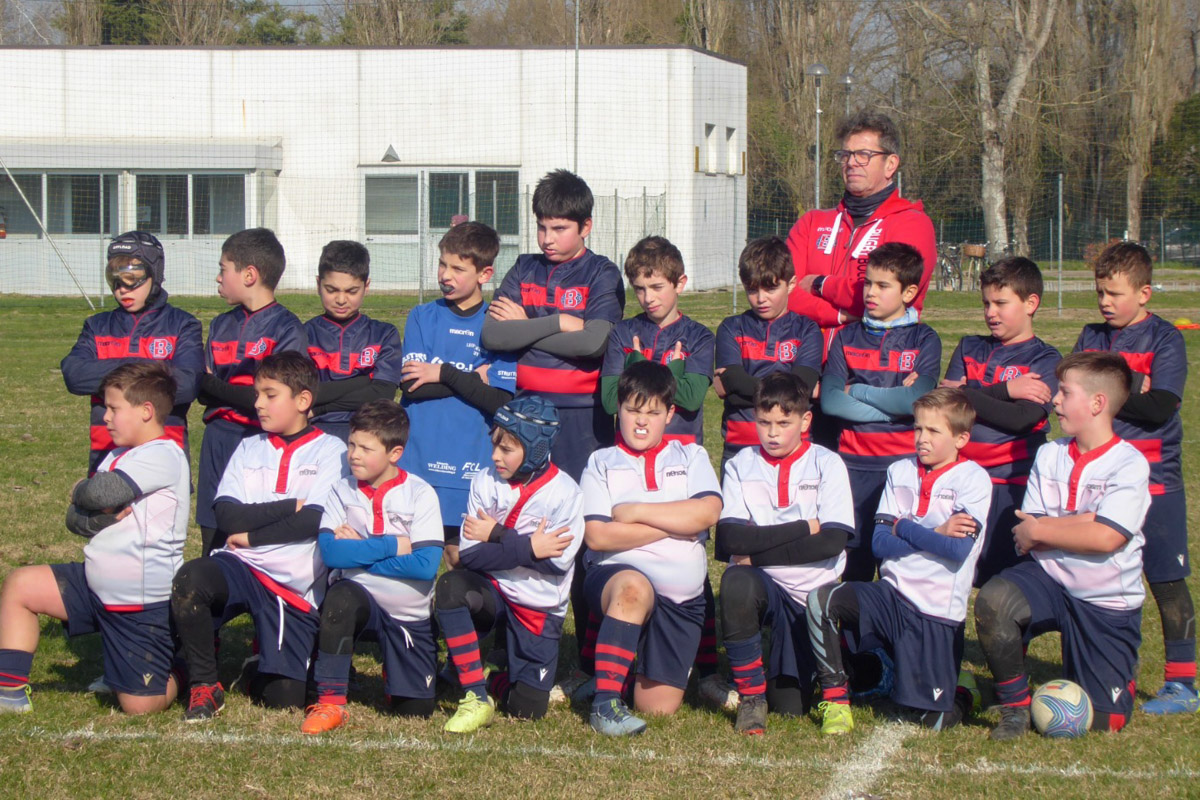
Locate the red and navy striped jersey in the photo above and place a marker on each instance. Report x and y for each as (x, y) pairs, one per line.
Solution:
(761, 347)
(239, 339)
(658, 345)
(882, 359)
(589, 287)
(985, 361)
(111, 338)
(361, 346)
(1153, 348)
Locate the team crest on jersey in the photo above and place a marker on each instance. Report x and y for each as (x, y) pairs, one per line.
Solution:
(823, 241)
(259, 348)
(786, 351)
(1009, 373)
(907, 360)
(572, 298)
(160, 348)
(369, 355)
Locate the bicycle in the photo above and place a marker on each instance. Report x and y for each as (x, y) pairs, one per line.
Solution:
(972, 264)
(948, 274)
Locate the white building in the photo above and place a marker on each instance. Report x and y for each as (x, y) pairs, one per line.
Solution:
(380, 145)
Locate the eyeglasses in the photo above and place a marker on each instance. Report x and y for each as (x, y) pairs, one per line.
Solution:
(860, 157)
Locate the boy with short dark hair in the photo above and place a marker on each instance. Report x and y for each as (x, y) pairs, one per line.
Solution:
(1009, 378)
(788, 513)
(450, 381)
(877, 368)
(928, 533)
(556, 310)
(270, 501)
(143, 326)
(648, 505)
(358, 358)
(134, 513)
(1149, 420)
(381, 535)
(523, 526)
(1082, 522)
(765, 338)
(252, 262)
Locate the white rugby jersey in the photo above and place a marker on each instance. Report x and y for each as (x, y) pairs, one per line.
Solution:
(264, 469)
(405, 506)
(131, 563)
(670, 472)
(935, 585)
(811, 483)
(1113, 481)
(553, 496)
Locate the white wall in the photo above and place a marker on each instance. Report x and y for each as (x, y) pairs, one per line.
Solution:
(332, 113)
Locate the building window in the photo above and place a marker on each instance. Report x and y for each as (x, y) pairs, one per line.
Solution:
(19, 219)
(392, 203)
(81, 204)
(497, 201)
(218, 204)
(449, 197)
(731, 151)
(710, 148)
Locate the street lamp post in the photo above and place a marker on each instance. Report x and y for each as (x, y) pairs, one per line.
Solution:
(847, 81)
(817, 71)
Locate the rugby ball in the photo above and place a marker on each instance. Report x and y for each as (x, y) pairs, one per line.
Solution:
(1061, 710)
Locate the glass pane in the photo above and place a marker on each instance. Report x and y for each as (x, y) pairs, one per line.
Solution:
(112, 199)
(16, 214)
(391, 204)
(73, 204)
(162, 204)
(218, 204)
(497, 201)
(448, 197)
(149, 207)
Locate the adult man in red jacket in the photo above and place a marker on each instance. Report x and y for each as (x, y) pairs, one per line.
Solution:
(830, 246)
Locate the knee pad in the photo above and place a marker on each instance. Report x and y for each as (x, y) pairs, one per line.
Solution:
(451, 590)
(276, 691)
(525, 702)
(786, 696)
(412, 706)
(1000, 600)
(1176, 608)
(743, 600)
(343, 615)
(198, 583)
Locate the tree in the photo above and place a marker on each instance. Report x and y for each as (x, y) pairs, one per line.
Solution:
(401, 22)
(710, 23)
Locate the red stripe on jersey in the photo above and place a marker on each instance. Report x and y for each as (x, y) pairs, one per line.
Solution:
(785, 470)
(229, 415)
(928, 478)
(376, 496)
(752, 349)
(531, 619)
(741, 433)
(570, 298)
(1140, 362)
(526, 491)
(285, 460)
(975, 370)
(119, 609)
(649, 473)
(279, 590)
(224, 353)
(557, 381)
(995, 454)
(884, 443)
(871, 360)
(1081, 461)
(1150, 448)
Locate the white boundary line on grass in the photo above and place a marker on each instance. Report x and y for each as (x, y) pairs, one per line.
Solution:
(888, 735)
(855, 775)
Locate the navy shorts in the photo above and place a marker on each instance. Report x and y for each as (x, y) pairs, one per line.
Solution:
(339, 429)
(1165, 556)
(137, 645)
(1099, 646)
(670, 638)
(582, 431)
(409, 653)
(791, 651)
(927, 652)
(286, 635)
(866, 488)
(999, 549)
(221, 438)
(532, 638)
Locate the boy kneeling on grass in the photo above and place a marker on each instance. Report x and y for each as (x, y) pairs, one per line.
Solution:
(134, 513)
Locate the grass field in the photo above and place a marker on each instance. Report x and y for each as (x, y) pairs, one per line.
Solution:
(75, 745)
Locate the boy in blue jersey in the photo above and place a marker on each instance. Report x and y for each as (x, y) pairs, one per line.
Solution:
(1009, 378)
(358, 358)
(145, 326)
(875, 370)
(555, 310)
(252, 262)
(451, 384)
(765, 338)
(1149, 420)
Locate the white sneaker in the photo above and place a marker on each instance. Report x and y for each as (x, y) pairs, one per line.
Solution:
(563, 691)
(718, 692)
(98, 686)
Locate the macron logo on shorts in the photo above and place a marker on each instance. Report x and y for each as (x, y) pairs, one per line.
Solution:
(1116, 692)
(937, 694)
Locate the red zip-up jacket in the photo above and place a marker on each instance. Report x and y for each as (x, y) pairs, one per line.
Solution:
(824, 242)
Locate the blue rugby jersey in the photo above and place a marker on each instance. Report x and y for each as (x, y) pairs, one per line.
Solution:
(658, 345)
(1153, 348)
(448, 439)
(985, 361)
(761, 347)
(239, 339)
(361, 346)
(589, 287)
(109, 339)
(883, 359)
